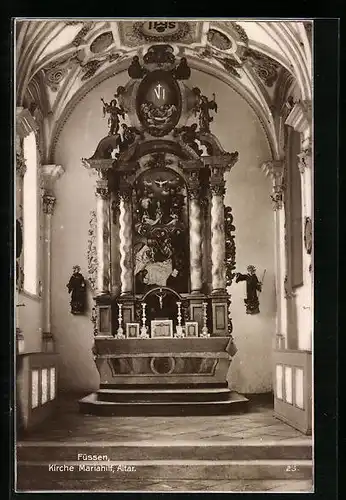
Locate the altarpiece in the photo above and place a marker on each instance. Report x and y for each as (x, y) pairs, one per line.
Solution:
(164, 240)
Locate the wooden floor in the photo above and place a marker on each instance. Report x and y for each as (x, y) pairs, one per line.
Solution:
(69, 426)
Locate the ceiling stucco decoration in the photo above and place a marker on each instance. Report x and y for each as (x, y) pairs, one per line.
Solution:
(79, 38)
(266, 68)
(218, 39)
(136, 33)
(232, 29)
(308, 28)
(102, 42)
(71, 57)
(57, 71)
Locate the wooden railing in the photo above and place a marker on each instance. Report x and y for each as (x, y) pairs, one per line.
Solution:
(36, 386)
(293, 388)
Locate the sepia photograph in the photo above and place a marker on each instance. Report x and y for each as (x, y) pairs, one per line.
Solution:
(164, 255)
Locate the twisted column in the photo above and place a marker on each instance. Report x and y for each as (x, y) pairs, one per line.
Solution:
(125, 233)
(195, 234)
(102, 236)
(218, 271)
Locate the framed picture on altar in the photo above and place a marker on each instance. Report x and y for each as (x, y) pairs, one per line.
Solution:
(161, 328)
(132, 330)
(191, 329)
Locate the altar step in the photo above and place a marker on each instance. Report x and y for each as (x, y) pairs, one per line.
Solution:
(286, 449)
(164, 395)
(162, 461)
(163, 401)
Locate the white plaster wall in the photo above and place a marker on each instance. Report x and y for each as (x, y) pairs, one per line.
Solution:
(29, 316)
(247, 192)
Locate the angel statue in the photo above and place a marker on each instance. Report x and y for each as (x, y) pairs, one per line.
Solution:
(114, 111)
(203, 107)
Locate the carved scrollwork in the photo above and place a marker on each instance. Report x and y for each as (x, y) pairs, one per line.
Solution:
(230, 249)
(277, 199)
(229, 316)
(94, 321)
(92, 250)
(194, 185)
(48, 204)
(185, 307)
(217, 182)
(266, 68)
(55, 73)
(138, 312)
(20, 159)
(102, 190)
(79, 38)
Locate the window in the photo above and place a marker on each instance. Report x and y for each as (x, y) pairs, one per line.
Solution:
(30, 215)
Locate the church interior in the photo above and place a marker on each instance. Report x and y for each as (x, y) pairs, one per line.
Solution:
(164, 255)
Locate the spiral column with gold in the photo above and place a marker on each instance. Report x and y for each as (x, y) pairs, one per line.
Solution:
(195, 234)
(125, 233)
(218, 270)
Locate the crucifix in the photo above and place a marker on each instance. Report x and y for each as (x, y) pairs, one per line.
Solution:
(160, 295)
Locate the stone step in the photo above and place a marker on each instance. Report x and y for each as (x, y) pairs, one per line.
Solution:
(164, 395)
(165, 470)
(92, 405)
(161, 450)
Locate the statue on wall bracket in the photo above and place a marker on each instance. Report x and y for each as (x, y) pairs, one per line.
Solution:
(202, 108)
(114, 111)
(77, 288)
(253, 285)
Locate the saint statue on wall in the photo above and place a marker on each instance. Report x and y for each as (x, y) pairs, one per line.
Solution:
(253, 285)
(77, 288)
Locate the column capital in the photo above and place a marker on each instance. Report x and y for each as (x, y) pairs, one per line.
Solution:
(25, 122)
(225, 161)
(48, 203)
(305, 159)
(125, 189)
(49, 175)
(194, 184)
(300, 116)
(217, 181)
(20, 160)
(102, 190)
(275, 169)
(99, 167)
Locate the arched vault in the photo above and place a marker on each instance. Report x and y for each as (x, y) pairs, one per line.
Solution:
(59, 62)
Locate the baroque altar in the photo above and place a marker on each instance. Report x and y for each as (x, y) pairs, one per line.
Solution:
(164, 248)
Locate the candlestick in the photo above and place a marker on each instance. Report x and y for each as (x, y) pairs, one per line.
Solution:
(120, 331)
(144, 328)
(179, 332)
(204, 332)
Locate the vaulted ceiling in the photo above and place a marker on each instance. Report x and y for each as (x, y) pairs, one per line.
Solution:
(59, 61)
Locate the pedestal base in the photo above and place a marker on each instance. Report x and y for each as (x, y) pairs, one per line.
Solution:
(163, 376)
(159, 401)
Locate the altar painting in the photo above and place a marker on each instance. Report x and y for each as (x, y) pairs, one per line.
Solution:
(160, 232)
